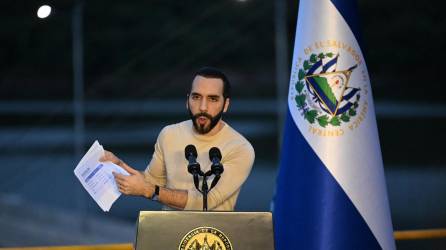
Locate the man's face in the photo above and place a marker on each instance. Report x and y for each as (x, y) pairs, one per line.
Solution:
(206, 103)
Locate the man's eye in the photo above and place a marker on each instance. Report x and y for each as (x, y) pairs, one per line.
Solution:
(195, 97)
(214, 99)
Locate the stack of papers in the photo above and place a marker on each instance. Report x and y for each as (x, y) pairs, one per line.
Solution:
(97, 177)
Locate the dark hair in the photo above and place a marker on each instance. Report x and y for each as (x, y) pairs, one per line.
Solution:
(211, 72)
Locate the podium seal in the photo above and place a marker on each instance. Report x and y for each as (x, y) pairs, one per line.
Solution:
(205, 238)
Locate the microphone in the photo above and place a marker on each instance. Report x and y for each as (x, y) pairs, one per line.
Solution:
(216, 167)
(190, 152)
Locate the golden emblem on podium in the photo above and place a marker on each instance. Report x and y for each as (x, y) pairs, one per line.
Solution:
(205, 238)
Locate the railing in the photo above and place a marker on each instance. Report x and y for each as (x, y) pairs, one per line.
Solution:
(399, 236)
(420, 234)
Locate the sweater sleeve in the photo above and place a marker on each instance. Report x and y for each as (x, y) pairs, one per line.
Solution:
(155, 172)
(237, 166)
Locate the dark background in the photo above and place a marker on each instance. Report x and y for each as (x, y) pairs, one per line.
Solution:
(139, 58)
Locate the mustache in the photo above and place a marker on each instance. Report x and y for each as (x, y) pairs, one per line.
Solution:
(203, 114)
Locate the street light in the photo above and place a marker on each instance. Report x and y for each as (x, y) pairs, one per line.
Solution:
(44, 11)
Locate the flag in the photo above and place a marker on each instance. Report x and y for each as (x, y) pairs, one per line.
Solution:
(331, 191)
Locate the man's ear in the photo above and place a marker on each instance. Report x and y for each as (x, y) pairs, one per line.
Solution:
(187, 101)
(227, 101)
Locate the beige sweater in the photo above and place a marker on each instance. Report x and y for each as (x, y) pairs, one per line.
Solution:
(168, 167)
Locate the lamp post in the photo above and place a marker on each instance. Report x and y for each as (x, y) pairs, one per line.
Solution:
(282, 68)
(78, 99)
(78, 94)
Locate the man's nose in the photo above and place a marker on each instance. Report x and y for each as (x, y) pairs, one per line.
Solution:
(203, 105)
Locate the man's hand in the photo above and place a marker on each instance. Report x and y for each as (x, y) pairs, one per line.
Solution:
(134, 184)
(109, 156)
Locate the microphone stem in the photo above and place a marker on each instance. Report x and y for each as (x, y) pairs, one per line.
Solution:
(204, 188)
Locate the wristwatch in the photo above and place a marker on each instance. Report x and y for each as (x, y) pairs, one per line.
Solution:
(155, 194)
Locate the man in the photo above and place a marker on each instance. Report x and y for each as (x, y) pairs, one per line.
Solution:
(166, 179)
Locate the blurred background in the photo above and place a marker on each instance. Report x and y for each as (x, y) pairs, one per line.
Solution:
(119, 71)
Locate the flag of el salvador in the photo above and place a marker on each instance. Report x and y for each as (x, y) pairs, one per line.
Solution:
(331, 191)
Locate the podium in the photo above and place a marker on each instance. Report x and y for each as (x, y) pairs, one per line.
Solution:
(187, 230)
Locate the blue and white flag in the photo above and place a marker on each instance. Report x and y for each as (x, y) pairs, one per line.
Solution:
(331, 191)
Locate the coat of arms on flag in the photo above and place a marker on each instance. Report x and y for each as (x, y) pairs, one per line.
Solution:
(324, 93)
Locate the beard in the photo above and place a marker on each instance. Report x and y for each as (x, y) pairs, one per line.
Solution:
(203, 128)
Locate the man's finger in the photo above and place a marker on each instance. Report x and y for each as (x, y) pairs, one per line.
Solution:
(119, 176)
(103, 158)
(129, 169)
(119, 183)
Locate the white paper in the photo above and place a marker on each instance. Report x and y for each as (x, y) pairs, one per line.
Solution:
(97, 177)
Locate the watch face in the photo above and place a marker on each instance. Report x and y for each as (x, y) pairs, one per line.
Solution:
(156, 193)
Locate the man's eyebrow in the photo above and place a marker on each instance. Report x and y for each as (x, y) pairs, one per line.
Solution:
(198, 94)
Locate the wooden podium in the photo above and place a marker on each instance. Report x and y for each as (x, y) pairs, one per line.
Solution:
(183, 230)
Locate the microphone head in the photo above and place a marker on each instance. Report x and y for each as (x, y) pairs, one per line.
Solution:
(214, 153)
(190, 150)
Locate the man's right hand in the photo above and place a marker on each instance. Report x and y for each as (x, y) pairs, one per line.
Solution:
(109, 156)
